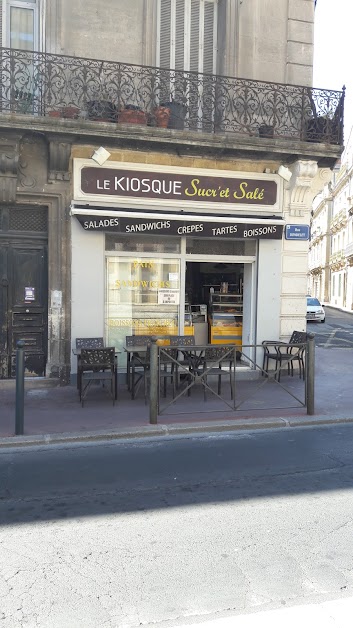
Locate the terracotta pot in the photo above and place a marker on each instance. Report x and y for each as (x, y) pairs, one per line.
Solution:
(55, 114)
(70, 112)
(162, 115)
(132, 116)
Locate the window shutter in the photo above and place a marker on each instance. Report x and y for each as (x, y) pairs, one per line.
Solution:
(165, 34)
(179, 34)
(208, 42)
(0, 22)
(195, 36)
(191, 45)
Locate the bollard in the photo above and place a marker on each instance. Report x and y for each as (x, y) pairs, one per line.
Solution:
(20, 388)
(153, 380)
(310, 375)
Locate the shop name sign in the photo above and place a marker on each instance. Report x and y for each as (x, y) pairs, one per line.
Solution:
(203, 229)
(177, 187)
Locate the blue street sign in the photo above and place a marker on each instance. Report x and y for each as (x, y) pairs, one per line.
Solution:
(297, 232)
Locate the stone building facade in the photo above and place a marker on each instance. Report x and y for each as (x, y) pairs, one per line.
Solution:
(81, 75)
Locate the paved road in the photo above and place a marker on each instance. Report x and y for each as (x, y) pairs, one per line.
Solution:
(124, 534)
(336, 331)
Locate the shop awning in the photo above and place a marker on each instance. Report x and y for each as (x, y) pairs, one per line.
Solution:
(192, 225)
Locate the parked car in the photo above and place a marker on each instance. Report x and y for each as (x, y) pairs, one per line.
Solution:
(314, 310)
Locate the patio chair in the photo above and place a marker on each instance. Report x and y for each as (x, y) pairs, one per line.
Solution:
(98, 365)
(86, 343)
(166, 370)
(182, 341)
(284, 353)
(213, 360)
(135, 360)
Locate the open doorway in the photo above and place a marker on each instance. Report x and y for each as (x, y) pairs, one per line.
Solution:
(214, 294)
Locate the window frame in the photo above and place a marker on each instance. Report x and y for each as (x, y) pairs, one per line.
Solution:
(20, 4)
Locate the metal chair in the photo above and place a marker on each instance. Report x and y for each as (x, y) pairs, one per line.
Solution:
(86, 343)
(98, 365)
(136, 359)
(166, 369)
(285, 353)
(182, 341)
(218, 356)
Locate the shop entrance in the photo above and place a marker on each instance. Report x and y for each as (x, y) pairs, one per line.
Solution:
(214, 302)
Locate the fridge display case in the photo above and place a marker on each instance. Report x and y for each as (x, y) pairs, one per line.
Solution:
(226, 318)
(188, 322)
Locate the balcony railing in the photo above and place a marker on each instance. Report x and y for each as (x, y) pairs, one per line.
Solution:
(67, 87)
(337, 257)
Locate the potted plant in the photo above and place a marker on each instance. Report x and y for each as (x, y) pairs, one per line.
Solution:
(55, 113)
(177, 114)
(161, 115)
(266, 130)
(321, 129)
(70, 112)
(101, 110)
(131, 114)
(23, 101)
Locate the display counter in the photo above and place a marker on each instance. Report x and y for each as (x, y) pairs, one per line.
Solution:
(226, 318)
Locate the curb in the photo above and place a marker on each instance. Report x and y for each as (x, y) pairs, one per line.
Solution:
(175, 429)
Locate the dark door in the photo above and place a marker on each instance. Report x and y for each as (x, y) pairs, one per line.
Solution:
(23, 305)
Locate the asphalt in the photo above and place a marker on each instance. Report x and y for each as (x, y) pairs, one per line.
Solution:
(53, 414)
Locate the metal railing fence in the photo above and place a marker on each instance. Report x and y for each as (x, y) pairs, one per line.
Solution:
(46, 84)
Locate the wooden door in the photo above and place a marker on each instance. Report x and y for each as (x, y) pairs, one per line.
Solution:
(23, 305)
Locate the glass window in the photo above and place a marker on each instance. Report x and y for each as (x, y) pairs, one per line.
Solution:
(142, 244)
(142, 298)
(21, 28)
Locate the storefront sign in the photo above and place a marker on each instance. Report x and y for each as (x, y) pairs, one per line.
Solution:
(203, 229)
(162, 186)
(297, 232)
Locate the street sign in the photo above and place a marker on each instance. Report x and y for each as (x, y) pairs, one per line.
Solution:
(297, 232)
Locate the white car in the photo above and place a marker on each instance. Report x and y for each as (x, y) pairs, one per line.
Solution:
(314, 310)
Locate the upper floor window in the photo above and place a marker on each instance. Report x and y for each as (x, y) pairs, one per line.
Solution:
(187, 35)
(20, 18)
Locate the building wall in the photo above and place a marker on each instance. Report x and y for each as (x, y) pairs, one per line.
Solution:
(276, 40)
(270, 40)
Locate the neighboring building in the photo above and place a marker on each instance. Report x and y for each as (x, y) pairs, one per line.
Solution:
(320, 246)
(202, 170)
(331, 246)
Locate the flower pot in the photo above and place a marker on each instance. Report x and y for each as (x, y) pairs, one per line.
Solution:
(132, 116)
(177, 114)
(162, 115)
(70, 112)
(266, 130)
(55, 114)
(102, 110)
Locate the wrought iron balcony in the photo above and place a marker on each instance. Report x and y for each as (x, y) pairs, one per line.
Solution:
(60, 86)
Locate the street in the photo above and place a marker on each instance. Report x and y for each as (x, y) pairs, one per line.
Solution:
(336, 331)
(175, 530)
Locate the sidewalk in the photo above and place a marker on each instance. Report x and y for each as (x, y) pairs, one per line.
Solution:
(54, 414)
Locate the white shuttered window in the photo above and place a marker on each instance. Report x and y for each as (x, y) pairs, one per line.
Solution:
(187, 35)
